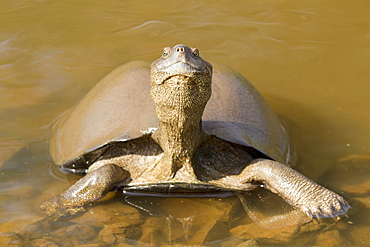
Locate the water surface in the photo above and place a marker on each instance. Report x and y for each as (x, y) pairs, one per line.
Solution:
(309, 59)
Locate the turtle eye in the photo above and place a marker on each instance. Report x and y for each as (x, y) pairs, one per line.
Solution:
(196, 53)
(165, 52)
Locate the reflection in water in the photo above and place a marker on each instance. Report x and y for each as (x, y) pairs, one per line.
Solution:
(310, 60)
(187, 223)
(269, 211)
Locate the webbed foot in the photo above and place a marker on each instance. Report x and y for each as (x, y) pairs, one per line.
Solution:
(323, 203)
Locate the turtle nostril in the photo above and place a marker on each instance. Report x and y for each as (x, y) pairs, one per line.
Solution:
(180, 49)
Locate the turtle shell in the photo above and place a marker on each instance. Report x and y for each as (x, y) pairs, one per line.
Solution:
(119, 108)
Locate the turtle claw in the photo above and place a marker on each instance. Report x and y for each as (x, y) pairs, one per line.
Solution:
(330, 206)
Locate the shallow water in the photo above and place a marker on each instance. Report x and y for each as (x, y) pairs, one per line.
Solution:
(309, 59)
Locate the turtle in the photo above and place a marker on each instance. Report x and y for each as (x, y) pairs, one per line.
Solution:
(180, 127)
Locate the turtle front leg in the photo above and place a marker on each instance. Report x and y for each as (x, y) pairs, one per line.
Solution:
(296, 189)
(90, 188)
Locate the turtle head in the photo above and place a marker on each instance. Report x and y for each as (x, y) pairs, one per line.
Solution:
(180, 79)
(181, 61)
(180, 88)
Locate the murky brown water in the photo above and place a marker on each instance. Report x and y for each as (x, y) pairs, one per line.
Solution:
(309, 59)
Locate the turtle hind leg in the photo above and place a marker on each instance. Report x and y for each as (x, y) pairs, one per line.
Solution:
(90, 188)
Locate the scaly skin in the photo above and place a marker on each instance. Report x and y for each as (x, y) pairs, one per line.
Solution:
(296, 189)
(180, 89)
(88, 189)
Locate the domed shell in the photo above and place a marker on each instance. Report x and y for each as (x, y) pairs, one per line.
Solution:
(119, 108)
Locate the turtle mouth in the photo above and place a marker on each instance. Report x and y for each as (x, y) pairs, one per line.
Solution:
(180, 80)
(182, 68)
(181, 74)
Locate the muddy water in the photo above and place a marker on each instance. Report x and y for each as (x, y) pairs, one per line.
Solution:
(309, 59)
